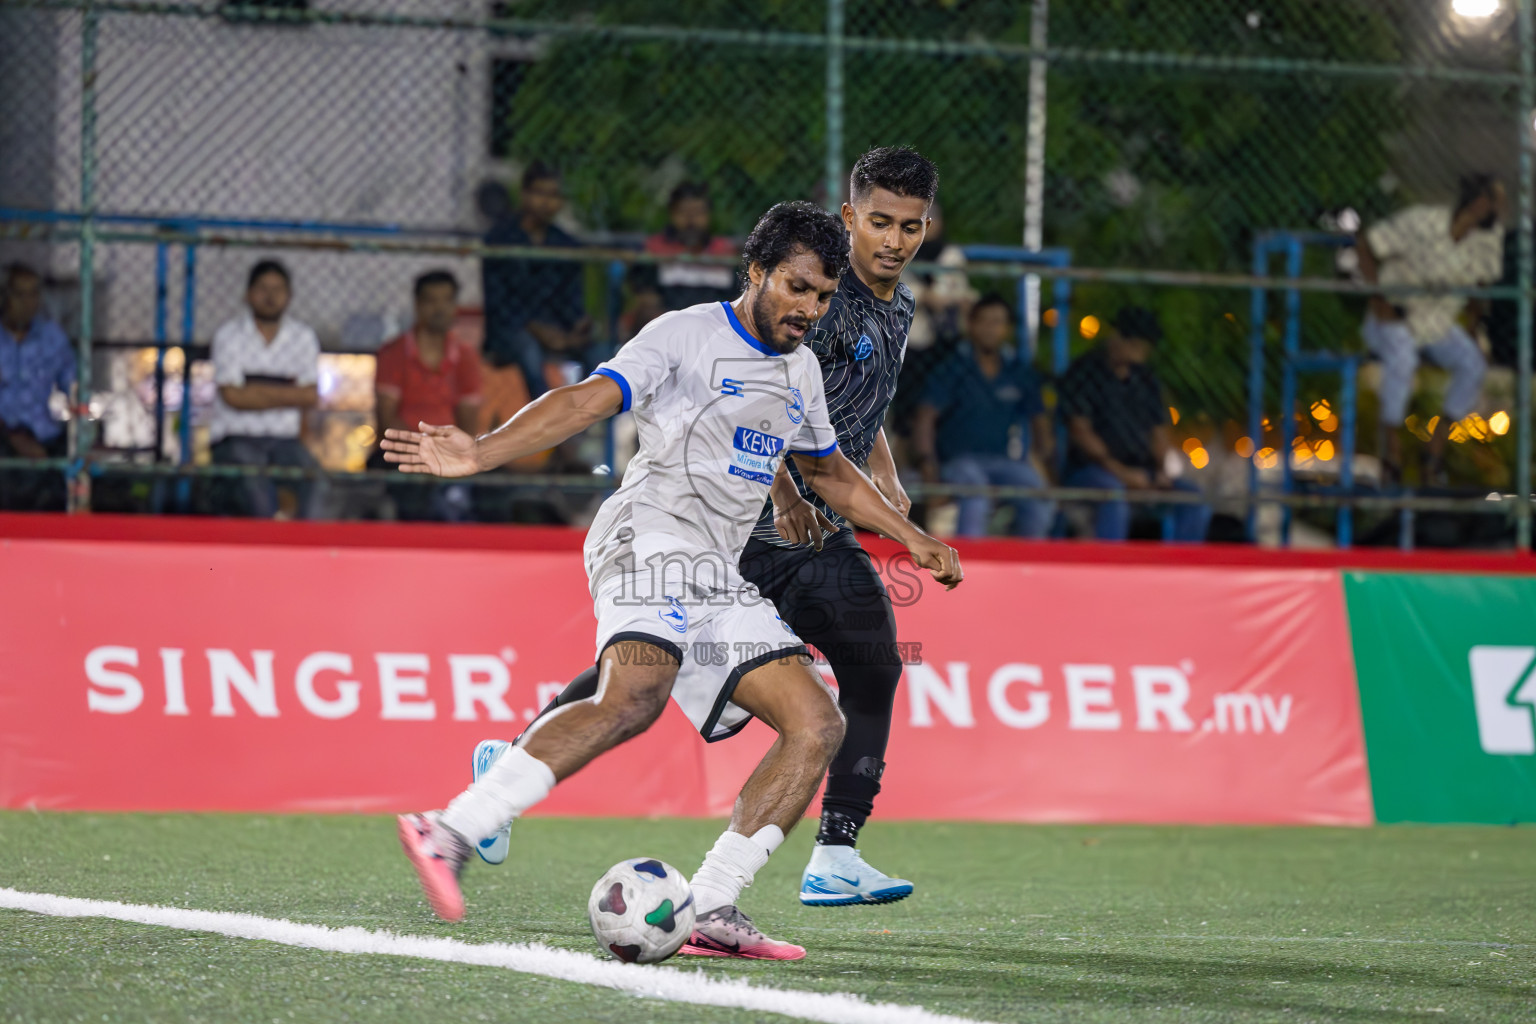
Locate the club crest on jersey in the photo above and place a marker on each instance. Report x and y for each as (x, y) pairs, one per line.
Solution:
(795, 406)
(675, 616)
(864, 349)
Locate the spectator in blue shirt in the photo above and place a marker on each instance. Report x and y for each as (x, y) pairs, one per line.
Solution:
(979, 419)
(35, 360)
(534, 309)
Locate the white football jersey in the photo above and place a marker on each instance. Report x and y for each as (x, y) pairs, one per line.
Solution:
(717, 411)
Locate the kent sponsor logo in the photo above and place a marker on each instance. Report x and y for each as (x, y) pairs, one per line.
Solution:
(756, 455)
(755, 442)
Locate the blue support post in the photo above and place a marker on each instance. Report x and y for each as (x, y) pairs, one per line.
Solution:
(1023, 328)
(188, 324)
(1348, 374)
(1294, 360)
(613, 300)
(1288, 382)
(162, 315)
(1061, 294)
(1258, 302)
(1061, 336)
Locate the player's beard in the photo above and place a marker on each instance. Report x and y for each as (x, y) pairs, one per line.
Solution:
(763, 321)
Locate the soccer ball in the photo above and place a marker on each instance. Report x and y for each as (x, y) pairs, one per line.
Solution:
(641, 910)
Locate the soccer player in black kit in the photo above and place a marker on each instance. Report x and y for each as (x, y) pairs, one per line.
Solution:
(805, 558)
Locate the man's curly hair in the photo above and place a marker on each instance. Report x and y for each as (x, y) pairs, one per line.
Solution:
(790, 227)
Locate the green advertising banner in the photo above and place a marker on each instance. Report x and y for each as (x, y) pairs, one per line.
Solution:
(1447, 694)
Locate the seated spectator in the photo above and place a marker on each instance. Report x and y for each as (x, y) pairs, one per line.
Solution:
(534, 309)
(680, 285)
(938, 323)
(428, 375)
(979, 419)
(1117, 427)
(1430, 245)
(35, 360)
(266, 366)
(943, 296)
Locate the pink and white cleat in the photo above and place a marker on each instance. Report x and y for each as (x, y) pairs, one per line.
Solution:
(726, 931)
(438, 854)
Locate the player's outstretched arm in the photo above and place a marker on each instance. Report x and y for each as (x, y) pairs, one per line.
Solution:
(851, 494)
(540, 425)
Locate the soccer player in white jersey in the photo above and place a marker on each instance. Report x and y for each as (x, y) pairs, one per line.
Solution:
(721, 393)
(825, 587)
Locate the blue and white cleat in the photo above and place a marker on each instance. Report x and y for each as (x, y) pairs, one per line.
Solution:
(838, 877)
(492, 850)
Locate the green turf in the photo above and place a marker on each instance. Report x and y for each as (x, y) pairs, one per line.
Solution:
(1010, 923)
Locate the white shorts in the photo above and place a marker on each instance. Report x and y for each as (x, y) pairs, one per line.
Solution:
(718, 636)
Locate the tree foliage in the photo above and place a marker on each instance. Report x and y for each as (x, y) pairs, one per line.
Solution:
(1147, 166)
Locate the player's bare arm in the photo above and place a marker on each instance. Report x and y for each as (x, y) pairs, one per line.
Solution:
(256, 397)
(797, 520)
(882, 473)
(851, 494)
(542, 424)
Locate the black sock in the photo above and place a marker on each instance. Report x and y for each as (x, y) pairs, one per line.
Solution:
(847, 803)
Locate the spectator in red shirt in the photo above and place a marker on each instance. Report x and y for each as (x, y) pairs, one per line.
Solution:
(663, 287)
(428, 375)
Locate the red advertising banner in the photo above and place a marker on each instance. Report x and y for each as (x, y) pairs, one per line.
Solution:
(147, 675)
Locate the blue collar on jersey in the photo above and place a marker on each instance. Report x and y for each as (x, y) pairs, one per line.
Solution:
(730, 314)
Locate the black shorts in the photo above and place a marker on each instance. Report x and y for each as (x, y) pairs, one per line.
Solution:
(833, 599)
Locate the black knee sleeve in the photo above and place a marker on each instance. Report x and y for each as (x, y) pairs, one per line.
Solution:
(866, 693)
(580, 688)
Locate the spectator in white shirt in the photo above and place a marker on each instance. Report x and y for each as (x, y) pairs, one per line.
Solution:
(266, 366)
(1432, 246)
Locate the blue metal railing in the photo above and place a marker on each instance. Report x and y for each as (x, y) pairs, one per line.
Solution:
(1061, 294)
(1294, 360)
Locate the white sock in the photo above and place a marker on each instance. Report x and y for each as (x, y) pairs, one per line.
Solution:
(516, 782)
(768, 837)
(730, 865)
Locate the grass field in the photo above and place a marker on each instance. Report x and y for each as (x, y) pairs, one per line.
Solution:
(1009, 923)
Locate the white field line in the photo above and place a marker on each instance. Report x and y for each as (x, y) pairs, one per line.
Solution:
(651, 982)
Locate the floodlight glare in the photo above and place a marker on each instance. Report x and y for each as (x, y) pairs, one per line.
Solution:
(1475, 8)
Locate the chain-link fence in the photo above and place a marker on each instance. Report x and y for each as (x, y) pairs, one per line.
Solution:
(1163, 155)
